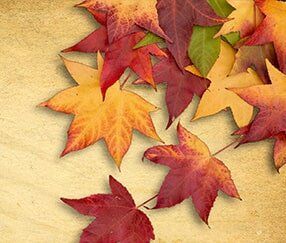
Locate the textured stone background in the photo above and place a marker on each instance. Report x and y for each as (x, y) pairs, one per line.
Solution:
(33, 178)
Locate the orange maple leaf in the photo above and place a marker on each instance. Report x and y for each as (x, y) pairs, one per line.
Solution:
(270, 99)
(112, 119)
(272, 28)
(123, 16)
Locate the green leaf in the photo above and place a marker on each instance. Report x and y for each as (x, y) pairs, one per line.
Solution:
(221, 7)
(204, 49)
(149, 39)
(232, 38)
(224, 9)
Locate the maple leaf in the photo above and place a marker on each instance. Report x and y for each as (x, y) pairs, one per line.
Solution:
(177, 18)
(270, 99)
(218, 97)
(221, 8)
(96, 41)
(119, 55)
(254, 57)
(280, 151)
(270, 30)
(245, 18)
(112, 119)
(194, 172)
(181, 86)
(124, 15)
(122, 55)
(117, 217)
(224, 9)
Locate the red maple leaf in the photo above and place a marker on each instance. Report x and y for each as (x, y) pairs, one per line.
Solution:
(125, 16)
(254, 57)
(194, 172)
(270, 100)
(279, 151)
(97, 40)
(271, 28)
(117, 217)
(119, 55)
(181, 85)
(177, 18)
(270, 120)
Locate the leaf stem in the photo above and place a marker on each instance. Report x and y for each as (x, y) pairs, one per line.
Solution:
(149, 200)
(125, 80)
(226, 147)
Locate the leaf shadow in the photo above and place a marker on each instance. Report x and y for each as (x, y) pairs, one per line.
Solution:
(194, 214)
(270, 157)
(75, 217)
(87, 15)
(269, 146)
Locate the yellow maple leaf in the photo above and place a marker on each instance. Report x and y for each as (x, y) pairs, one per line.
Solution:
(245, 18)
(217, 97)
(112, 119)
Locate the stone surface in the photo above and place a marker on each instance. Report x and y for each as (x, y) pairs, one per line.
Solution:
(33, 177)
